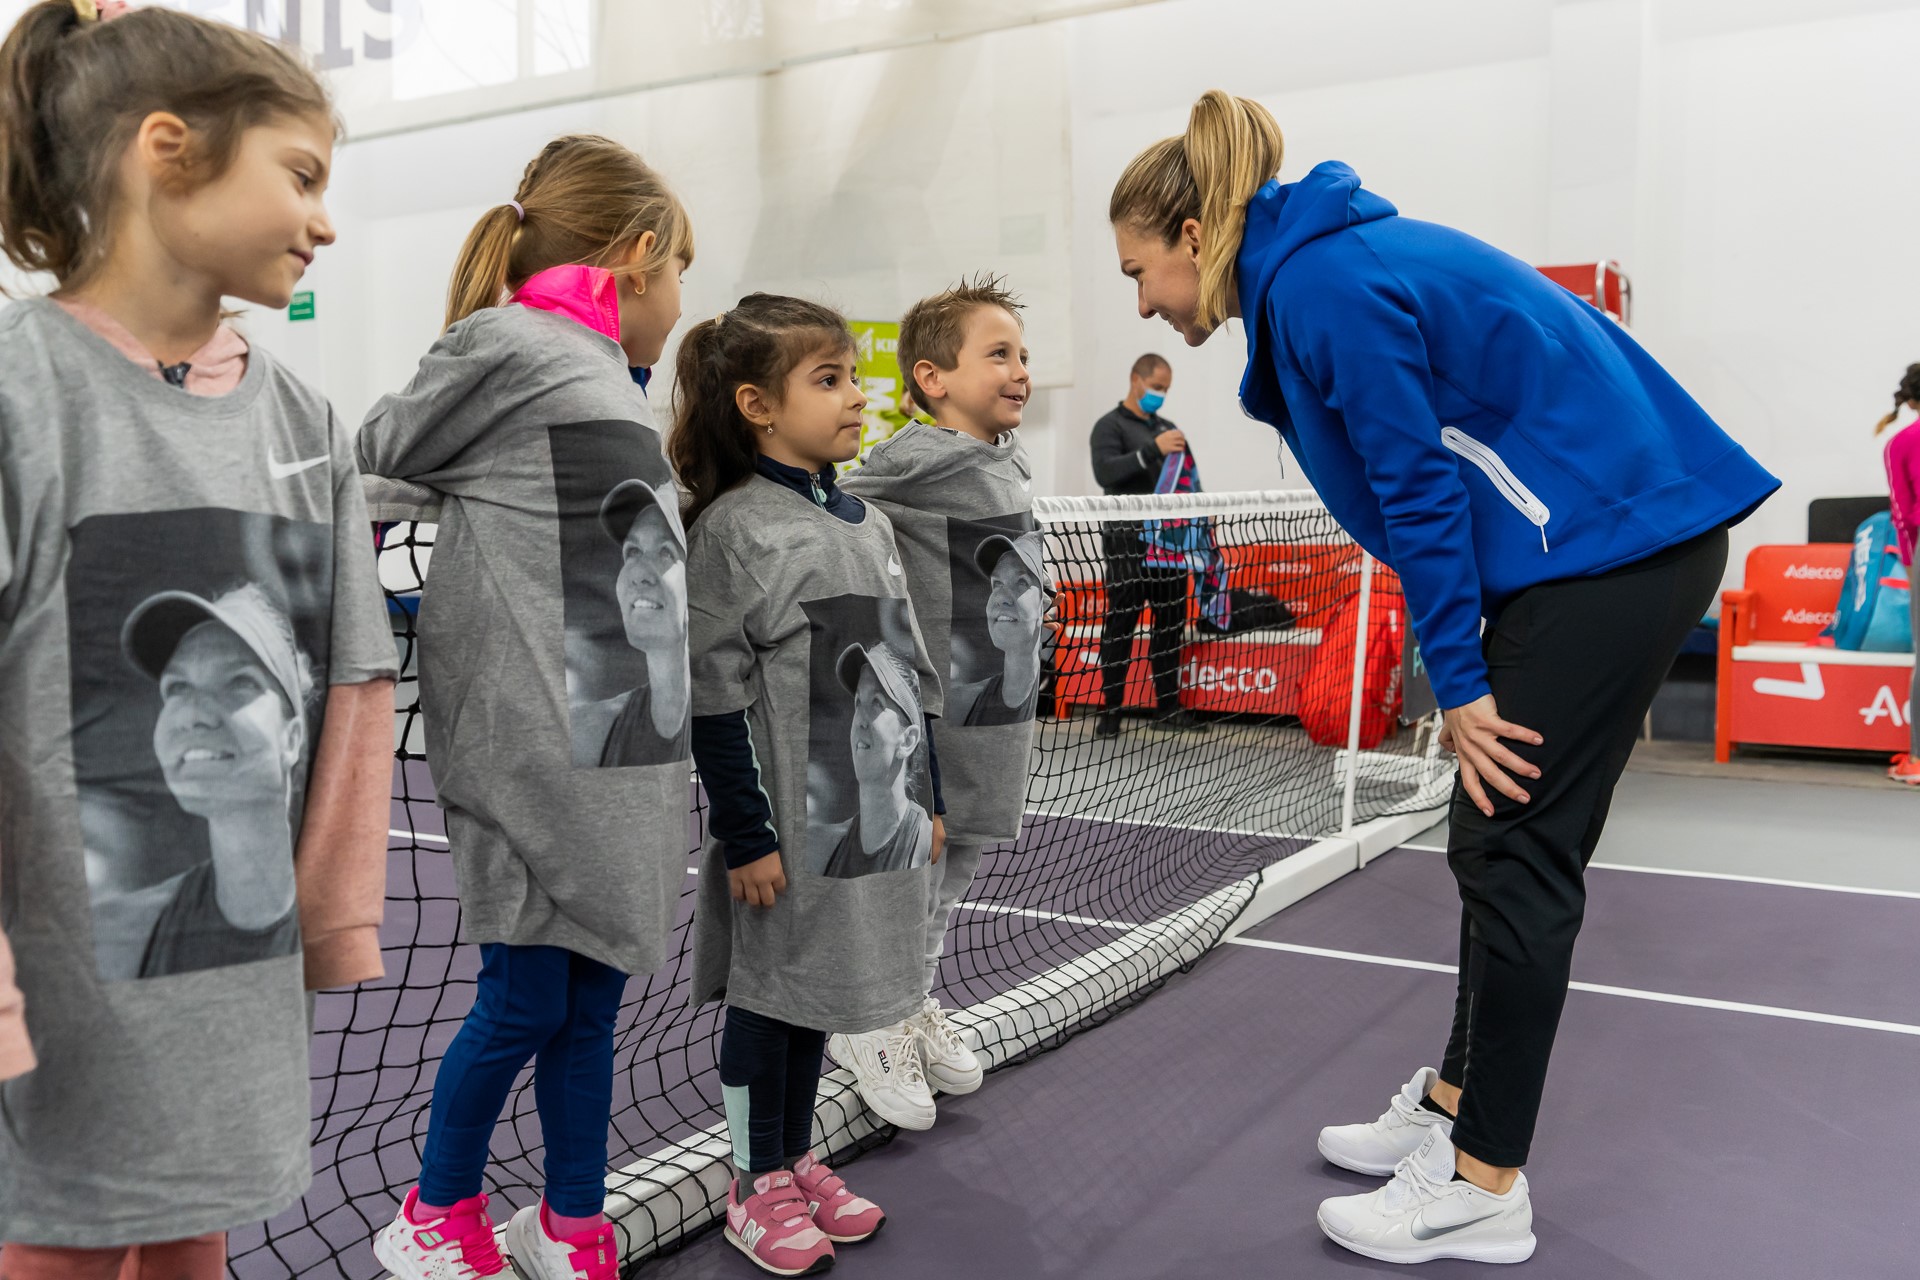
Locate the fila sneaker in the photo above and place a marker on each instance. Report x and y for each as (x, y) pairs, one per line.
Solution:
(887, 1073)
(1376, 1148)
(950, 1065)
(1423, 1214)
(842, 1216)
(459, 1246)
(774, 1228)
(538, 1255)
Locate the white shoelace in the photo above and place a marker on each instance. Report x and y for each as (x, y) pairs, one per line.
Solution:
(1411, 1188)
(905, 1050)
(939, 1030)
(1399, 1112)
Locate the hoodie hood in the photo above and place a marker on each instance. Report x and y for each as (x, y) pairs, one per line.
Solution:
(1281, 220)
(583, 294)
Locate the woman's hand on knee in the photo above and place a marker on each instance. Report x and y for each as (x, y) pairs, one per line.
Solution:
(1474, 733)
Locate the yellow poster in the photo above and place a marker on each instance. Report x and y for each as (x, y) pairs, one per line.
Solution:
(876, 362)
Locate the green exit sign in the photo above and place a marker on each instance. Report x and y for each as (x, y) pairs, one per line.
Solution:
(302, 307)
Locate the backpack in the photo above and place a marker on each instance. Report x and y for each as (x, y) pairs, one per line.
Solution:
(1243, 609)
(1875, 596)
(1325, 698)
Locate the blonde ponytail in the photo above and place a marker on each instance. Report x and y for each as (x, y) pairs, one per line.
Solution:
(1232, 148)
(480, 272)
(585, 199)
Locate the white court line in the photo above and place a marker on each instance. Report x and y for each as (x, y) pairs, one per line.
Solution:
(1630, 993)
(428, 836)
(1818, 886)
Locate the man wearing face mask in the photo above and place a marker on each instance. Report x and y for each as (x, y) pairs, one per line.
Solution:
(1130, 445)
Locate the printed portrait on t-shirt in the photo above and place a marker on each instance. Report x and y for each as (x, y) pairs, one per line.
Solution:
(623, 570)
(1000, 590)
(869, 802)
(199, 642)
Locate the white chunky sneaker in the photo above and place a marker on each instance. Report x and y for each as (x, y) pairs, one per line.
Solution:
(888, 1074)
(950, 1065)
(1423, 1215)
(1378, 1148)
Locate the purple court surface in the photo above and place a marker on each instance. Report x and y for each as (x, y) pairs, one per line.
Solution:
(1735, 1099)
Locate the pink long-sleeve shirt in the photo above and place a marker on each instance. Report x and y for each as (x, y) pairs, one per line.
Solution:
(1903, 484)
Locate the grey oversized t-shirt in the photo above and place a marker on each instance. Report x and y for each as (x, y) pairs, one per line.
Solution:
(803, 621)
(553, 633)
(963, 512)
(181, 579)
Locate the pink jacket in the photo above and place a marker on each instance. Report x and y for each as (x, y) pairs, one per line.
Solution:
(585, 294)
(1903, 484)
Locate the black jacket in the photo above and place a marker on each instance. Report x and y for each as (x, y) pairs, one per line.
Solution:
(1125, 459)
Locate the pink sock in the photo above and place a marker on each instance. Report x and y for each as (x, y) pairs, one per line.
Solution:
(424, 1212)
(561, 1227)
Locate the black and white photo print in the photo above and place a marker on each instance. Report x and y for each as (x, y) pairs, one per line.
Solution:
(868, 784)
(199, 643)
(623, 566)
(1000, 589)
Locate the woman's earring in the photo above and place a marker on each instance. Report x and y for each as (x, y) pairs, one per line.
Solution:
(769, 430)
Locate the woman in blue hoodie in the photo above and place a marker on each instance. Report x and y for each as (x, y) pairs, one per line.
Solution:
(1516, 457)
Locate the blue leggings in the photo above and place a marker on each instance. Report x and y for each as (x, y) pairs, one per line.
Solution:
(558, 1008)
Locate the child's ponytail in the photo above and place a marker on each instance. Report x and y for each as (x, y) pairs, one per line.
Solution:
(582, 199)
(73, 92)
(1907, 393)
(758, 343)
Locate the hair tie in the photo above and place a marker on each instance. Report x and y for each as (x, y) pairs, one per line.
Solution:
(99, 10)
(519, 211)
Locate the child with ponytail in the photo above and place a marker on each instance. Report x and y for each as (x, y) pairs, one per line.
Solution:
(553, 675)
(195, 664)
(1903, 487)
(812, 695)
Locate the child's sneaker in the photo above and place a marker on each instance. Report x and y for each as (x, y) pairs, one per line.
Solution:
(457, 1247)
(887, 1072)
(1905, 769)
(842, 1216)
(774, 1228)
(950, 1065)
(593, 1254)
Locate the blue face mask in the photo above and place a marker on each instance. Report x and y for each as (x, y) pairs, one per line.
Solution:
(1150, 402)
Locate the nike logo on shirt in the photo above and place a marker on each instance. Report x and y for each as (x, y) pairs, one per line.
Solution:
(893, 566)
(281, 470)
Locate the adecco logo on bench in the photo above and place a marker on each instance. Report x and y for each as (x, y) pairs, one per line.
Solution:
(1815, 572)
(1809, 617)
(1227, 678)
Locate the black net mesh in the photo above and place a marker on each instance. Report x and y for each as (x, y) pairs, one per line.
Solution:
(1141, 847)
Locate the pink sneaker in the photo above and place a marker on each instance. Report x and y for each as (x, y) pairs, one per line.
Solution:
(1905, 769)
(457, 1247)
(842, 1216)
(774, 1229)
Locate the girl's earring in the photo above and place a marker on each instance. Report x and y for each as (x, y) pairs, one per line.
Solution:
(769, 430)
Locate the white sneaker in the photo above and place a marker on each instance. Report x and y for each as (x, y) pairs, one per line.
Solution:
(1423, 1214)
(1378, 1148)
(887, 1072)
(459, 1246)
(951, 1066)
(591, 1255)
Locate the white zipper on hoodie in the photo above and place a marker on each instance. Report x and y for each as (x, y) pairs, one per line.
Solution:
(1504, 480)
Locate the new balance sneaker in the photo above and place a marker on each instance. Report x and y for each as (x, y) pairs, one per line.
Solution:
(774, 1228)
(888, 1074)
(1423, 1214)
(459, 1246)
(538, 1255)
(1905, 768)
(950, 1066)
(1378, 1147)
(842, 1216)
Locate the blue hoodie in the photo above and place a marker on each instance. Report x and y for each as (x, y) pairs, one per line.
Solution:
(1467, 420)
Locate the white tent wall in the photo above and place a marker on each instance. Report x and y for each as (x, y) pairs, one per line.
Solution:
(1747, 160)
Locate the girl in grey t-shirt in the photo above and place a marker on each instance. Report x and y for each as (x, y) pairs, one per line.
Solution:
(811, 691)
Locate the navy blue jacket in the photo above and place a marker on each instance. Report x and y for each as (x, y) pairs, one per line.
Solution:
(1468, 421)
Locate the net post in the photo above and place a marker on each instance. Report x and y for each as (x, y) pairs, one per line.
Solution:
(1359, 692)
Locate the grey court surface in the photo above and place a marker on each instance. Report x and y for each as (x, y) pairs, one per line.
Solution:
(1731, 1094)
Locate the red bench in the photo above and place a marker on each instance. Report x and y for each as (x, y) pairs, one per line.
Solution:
(1779, 688)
